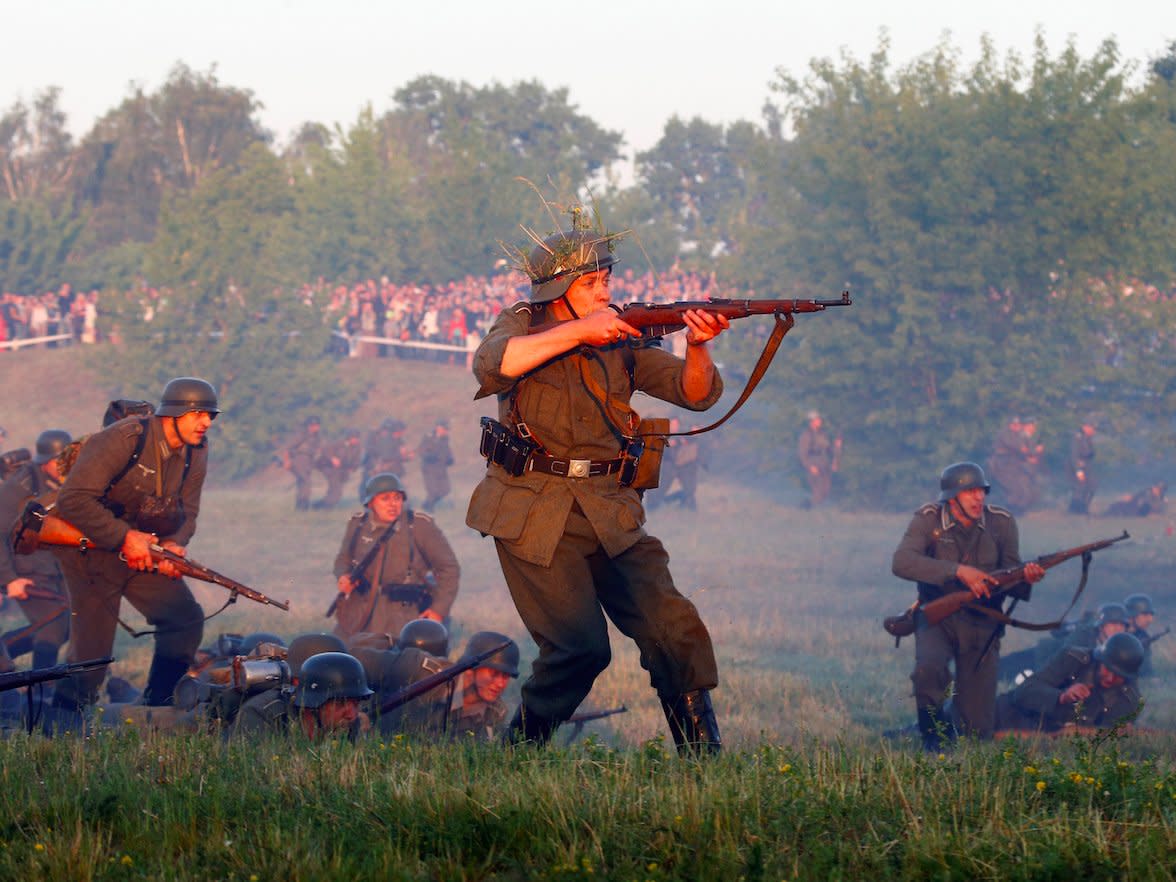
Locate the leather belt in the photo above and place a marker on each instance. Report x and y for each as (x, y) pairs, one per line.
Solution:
(572, 468)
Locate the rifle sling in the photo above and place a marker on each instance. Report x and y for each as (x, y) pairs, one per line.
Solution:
(783, 326)
(1004, 619)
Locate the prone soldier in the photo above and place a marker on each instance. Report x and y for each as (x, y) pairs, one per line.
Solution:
(1142, 613)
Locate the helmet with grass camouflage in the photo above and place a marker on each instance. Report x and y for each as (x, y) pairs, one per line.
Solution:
(961, 476)
(565, 256)
(330, 675)
(1122, 653)
(426, 634)
(186, 394)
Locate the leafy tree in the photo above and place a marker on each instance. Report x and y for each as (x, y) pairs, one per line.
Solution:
(36, 242)
(36, 150)
(232, 311)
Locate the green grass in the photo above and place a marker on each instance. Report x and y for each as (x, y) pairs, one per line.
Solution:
(809, 788)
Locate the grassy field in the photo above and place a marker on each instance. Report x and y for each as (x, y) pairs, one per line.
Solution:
(811, 789)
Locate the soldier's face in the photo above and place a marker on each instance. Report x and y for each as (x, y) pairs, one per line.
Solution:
(386, 507)
(1110, 629)
(192, 426)
(1142, 621)
(338, 713)
(490, 683)
(1108, 679)
(589, 293)
(970, 502)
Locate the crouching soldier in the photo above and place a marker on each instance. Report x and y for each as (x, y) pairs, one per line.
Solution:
(1079, 687)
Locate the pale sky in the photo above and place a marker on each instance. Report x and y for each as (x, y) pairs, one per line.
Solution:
(628, 65)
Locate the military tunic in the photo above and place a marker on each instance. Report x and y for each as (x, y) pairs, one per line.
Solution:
(1036, 705)
(301, 455)
(30, 482)
(98, 579)
(416, 551)
(436, 458)
(349, 453)
(1082, 481)
(574, 550)
(815, 450)
(934, 545)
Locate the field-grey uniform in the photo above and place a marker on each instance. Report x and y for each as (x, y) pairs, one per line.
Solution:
(29, 481)
(98, 579)
(301, 455)
(388, 672)
(1034, 704)
(479, 721)
(398, 576)
(573, 549)
(436, 458)
(932, 547)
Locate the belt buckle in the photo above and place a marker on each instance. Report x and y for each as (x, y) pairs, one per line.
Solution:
(579, 468)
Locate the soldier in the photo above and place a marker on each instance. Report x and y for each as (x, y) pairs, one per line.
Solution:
(1148, 501)
(265, 711)
(1083, 687)
(1082, 481)
(436, 458)
(564, 515)
(1142, 613)
(406, 567)
(326, 701)
(959, 539)
(1015, 463)
(820, 457)
(35, 580)
(477, 709)
(1092, 629)
(419, 652)
(1111, 619)
(337, 460)
(385, 450)
(137, 483)
(300, 458)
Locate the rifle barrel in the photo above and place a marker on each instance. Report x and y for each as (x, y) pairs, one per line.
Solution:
(431, 682)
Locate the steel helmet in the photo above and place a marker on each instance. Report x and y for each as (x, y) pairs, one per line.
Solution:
(186, 394)
(329, 675)
(564, 257)
(304, 646)
(50, 443)
(250, 642)
(384, 482)
(961, 476)
(1113, 612)
(1139, 604)
(505, 660)
(1122, 653)
(426, 634)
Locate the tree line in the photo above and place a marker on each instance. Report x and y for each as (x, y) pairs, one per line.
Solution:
(1005, 226)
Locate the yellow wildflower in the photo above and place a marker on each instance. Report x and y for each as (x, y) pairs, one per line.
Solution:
(1041, 785)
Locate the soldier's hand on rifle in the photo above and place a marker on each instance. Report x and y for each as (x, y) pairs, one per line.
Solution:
(1034, 572)
(604, 327)
(166, 566)
(346, 586)
(704, 326)
(18, 588)
(1074, 693)
(976, 581)
(136, 550)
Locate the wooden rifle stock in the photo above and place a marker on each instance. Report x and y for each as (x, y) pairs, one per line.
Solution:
(431, 682)
(940, 608)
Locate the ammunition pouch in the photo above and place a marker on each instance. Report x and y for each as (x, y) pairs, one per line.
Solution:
(504, 447)
(417, 595)
(652, 436)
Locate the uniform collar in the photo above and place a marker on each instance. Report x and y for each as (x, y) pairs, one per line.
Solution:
(947, 519)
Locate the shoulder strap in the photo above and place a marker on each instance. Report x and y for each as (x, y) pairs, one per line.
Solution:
(140, 442)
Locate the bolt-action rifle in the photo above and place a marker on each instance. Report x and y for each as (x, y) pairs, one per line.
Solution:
(1149, 639)
(37, 526)
(659, 319)
(431, 682)
(17, 679)
(578, 720)
(935, 611)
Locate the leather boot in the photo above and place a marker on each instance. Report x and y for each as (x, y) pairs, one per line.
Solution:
(527, 727)
(936, 729)
(165, 673)
(692, 723)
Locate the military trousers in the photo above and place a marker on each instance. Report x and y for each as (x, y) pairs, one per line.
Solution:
(958, 639)
(97, 582)
(52, 617)
(564, 607)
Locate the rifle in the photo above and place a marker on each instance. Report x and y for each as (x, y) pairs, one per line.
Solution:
(578, 720)
(17, 679)
(431, 682)
(356, 576)
(1152, 638)
(659, 319)
(38, 527)
(935, 611)
(940, 608)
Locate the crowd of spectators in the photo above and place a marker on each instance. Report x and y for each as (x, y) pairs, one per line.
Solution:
(454, 314)
(52, 314)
